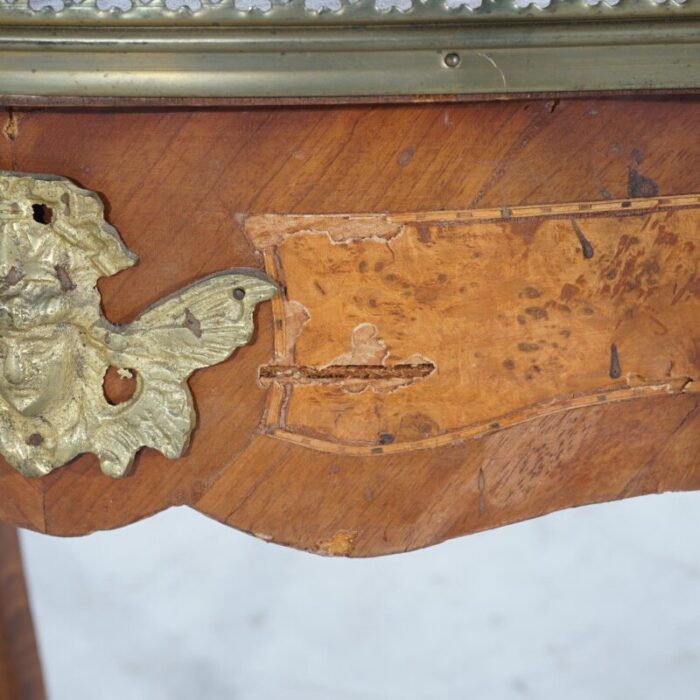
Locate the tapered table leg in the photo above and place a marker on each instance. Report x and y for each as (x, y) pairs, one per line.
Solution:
(20, 668)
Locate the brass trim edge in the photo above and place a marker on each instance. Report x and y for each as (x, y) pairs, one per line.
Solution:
(371, 60)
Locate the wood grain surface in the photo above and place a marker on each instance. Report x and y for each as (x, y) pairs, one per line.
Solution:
(185, 188)
(412, 331)
(20, 670)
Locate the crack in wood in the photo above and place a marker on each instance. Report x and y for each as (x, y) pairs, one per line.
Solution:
(300, 374)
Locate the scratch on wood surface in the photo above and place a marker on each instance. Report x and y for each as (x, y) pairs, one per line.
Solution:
(268, 230)
(366, 347)
(340, 545)
(11, 128)
(263, 536)
(296, 316)
(691, 387)
(363, 366)
(482, 492)
(284, 405)
(302, 374)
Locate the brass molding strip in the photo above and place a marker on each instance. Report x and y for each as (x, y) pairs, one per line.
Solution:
(288, 52)
(345, 62)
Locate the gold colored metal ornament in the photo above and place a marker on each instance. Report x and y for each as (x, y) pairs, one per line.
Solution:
(56, 346)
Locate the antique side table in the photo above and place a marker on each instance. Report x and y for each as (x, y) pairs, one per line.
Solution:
(353, 277)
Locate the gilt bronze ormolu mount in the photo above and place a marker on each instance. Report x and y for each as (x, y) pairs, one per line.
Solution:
(56, 346)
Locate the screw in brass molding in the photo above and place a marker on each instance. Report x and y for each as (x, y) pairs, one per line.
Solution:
(452, 60)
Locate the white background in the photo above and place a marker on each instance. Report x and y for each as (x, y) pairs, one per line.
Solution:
(600, 602)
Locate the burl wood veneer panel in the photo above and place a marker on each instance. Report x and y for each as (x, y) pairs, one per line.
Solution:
(413, 331)
(489, 311)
